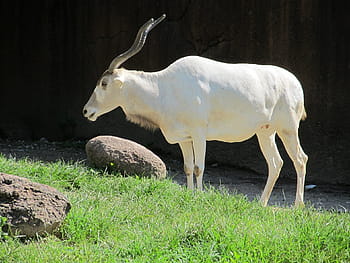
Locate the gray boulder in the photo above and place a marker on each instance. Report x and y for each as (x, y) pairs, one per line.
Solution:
(124, 156)
(31, 208)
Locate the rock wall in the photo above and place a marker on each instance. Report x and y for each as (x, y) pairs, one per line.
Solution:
(52, 53)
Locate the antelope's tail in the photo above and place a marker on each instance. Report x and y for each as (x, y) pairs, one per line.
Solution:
(304, 115)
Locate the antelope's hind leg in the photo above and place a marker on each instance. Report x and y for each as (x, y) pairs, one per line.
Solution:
(273, 159)
(291, 142)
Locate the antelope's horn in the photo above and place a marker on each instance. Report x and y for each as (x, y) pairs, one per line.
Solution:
(137, 45)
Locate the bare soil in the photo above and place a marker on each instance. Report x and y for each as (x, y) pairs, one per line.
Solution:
(248, 183)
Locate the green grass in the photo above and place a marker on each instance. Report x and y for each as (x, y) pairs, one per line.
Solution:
(133, 219)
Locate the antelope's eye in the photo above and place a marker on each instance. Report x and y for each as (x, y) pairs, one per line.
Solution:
(104, 85)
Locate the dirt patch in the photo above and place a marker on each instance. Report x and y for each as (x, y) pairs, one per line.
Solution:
(248, 183)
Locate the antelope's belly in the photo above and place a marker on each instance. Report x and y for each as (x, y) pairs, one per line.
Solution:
(230, 132)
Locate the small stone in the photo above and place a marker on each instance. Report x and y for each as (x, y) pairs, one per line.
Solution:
(310, 186)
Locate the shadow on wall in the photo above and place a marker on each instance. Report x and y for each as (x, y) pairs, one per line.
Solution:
(54, 52)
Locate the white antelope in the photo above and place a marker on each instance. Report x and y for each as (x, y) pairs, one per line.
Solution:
(195, 100)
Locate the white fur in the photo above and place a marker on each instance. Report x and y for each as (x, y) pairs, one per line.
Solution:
(196, 100)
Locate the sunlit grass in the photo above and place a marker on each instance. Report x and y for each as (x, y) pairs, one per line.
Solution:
(134, 219)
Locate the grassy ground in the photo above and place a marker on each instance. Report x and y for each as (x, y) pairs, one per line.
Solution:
(132, 219)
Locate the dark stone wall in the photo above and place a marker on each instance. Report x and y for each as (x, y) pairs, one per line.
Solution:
(52, 53)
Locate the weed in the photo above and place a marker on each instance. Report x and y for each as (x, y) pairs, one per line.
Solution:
(3, 225)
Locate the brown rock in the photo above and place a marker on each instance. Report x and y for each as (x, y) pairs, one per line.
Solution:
(31, 208)
(125, 156)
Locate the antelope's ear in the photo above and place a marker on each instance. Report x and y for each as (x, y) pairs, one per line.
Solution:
(119, 81)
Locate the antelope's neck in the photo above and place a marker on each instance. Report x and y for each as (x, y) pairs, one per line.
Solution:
(141, 105)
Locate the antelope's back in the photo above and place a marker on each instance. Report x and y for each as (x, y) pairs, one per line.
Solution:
(234, 83)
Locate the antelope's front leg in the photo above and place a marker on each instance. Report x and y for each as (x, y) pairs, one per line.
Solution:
(199, 146)
(187, 153)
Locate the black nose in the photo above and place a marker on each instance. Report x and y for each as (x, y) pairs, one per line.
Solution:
(84, 112)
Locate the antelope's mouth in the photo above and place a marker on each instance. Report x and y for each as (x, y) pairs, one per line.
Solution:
(92, 117)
